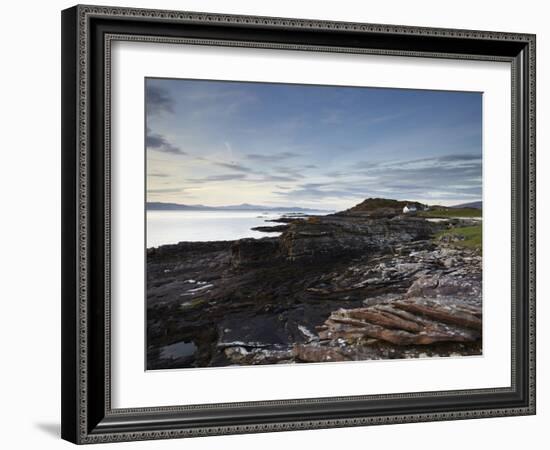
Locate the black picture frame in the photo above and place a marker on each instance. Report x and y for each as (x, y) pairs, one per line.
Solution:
(87, 415)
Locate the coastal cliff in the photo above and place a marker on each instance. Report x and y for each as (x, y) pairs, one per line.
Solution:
(366, 283)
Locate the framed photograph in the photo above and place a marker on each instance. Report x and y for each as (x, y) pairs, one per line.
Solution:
(278, 224)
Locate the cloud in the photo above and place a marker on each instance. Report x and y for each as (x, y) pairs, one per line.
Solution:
(222, 177)
(158, 175)
(366, 164)
(442, 162)
(164, 190)
(455, 174)
(313, 185)
(234, 166)
(460, 157)
(447, 162)
(250, 139)
(242, 177)
(336, 174)
(276, 178)
(155, 141)
(158, 100)
(291, 172)
(448, 177)
(276, 157)
(453, 160)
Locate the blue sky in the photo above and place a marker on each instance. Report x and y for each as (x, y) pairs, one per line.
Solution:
(330, 147)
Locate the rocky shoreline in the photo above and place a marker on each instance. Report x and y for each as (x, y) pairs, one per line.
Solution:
(357, 285)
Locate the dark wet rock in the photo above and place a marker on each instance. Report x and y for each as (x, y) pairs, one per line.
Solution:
(254, 251)
(271, 229)
(334, 236)
(287, 220)
(323, 237)
(254, 330)
(381, 286)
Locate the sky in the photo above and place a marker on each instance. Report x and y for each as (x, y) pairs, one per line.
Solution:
(329, 147)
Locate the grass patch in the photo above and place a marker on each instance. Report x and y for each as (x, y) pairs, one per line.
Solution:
(376, 204)
(472, 236)
(451, 212)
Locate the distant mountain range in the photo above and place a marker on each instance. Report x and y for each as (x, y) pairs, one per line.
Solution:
(160, 206)
(366, 205)
(476, 205)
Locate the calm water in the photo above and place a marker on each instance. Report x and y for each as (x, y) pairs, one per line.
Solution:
(178, 350)
(171, 227)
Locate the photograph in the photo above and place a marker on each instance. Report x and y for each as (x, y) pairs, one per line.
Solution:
(272, 222)
(300, 223)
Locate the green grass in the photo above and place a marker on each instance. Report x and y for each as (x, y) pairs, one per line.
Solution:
(451, 212)
(373, 204)
(472, 236)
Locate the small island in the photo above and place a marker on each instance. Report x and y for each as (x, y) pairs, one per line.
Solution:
(385, 279)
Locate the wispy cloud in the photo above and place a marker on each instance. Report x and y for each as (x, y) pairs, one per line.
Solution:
(157, 175)
(155, 141)
(158, 100)
(459, 157)
(241, 177)
(272, 157)
(164, 190)
(221, 177)
(453, 176)
(459, 162)
(275, 178)
(289, 172)
(312, 145)
(234, 166)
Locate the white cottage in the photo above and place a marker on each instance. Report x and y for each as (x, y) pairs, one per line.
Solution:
(409, 209)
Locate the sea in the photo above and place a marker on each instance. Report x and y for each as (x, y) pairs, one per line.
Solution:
(171, 227)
